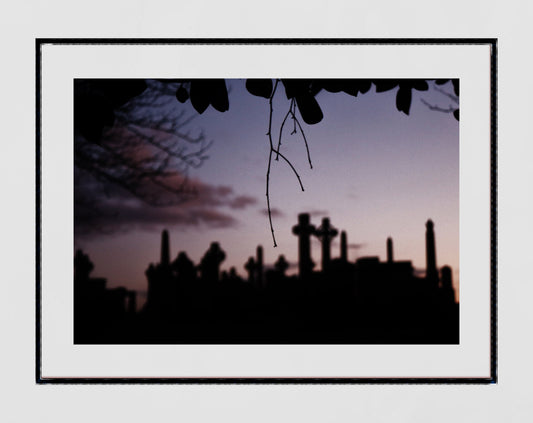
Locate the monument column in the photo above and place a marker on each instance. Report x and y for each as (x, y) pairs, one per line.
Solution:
(390, 257)
(165, 249)
(259, 266)
(344, 247)
(304, 230)
(431, 260)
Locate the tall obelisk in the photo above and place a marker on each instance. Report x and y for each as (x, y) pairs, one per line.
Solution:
(165, 249)
(431, 259)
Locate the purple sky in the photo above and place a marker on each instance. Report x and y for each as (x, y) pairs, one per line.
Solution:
(376, 173)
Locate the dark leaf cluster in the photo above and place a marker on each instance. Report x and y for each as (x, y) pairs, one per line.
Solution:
(304, 91)
(95, 102)
(205, 92)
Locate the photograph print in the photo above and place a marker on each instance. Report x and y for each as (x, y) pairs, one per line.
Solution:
(266, 211)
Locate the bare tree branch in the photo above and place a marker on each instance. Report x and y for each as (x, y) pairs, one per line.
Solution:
(146, 152)
(291, 112)
(436, 108)
(451, 96)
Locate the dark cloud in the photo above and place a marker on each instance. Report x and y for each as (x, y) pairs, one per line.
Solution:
(128, 215)
(274, 211)
(110, 209)
(135, 176)
(242, 201)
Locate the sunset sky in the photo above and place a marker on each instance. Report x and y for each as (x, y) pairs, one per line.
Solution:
(376, 173)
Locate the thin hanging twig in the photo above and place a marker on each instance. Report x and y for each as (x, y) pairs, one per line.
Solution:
(292, 113)
(437, 108)
(305, 140)
(269, 133)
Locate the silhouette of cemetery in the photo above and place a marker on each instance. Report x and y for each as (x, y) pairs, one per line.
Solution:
(99, 313)
(363, 302)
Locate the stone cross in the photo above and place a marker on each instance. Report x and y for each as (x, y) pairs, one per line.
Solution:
(304, 230)
(325, 233)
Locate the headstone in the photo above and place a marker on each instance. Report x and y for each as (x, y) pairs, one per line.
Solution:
(250, 268)
(446, 273)
(448, 292)
(390, 257)
(281, 265)
(325, 233)
(259, 265)
(344, 247)
(210, 264)
(82, 266)
(304, 230)
(184, 267)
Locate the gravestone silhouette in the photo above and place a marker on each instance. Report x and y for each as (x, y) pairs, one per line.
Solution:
(368, 301)
(165, 249)
(250, 268)
(210, 264)
(325, 233)
(100, 314)
(344, 247)
(233, 273)
(432, 275)
(448, 293)
(184, 267)
(303, 231)
(390, 257)
(259, 266)
(281, 265)
(82, 266)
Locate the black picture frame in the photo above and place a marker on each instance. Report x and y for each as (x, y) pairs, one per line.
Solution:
(40, 379)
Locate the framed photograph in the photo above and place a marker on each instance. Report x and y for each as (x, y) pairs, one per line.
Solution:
(266, 211)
